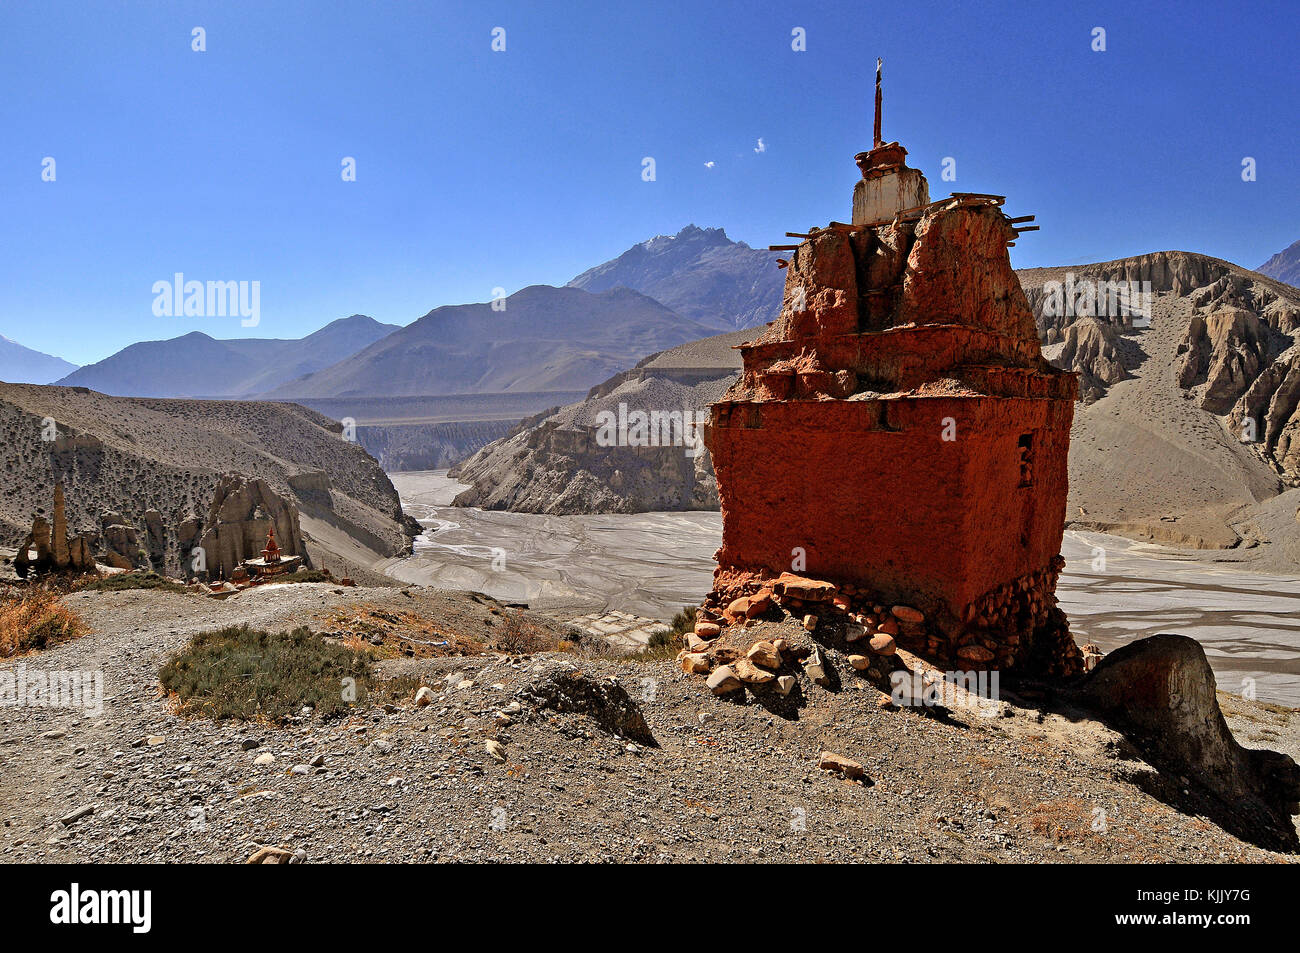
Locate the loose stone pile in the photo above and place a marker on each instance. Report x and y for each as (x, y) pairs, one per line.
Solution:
(728, 644)
(1013, 624)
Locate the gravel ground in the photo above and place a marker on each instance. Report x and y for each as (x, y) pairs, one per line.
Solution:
(722, 781)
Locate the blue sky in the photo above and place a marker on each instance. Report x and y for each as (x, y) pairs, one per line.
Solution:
(479, 169)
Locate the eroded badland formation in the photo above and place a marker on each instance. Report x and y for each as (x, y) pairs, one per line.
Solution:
(143, 483)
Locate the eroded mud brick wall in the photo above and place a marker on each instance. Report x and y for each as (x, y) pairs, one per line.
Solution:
(875, 504)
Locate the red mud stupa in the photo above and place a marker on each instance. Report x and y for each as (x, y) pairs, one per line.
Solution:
(897, 433)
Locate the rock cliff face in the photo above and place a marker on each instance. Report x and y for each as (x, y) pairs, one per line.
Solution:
(419, 446)
(1269, 413)
(1224, 350)
(119, 543)
(1093, 348)
(1237, 338)
(238, 521)
(1176, 273)
(1188, 433)
(556, 462)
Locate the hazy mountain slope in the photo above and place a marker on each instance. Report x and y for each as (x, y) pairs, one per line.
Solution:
(333, 343)
(197, 365)
(699, 273)
(130, 455)
(1284, 266)
(553, 463)
(22, 365)
(191, 365)
(546, 339)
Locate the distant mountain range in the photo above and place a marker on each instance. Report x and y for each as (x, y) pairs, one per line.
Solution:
(22, 365)
(699, 273)
(545, 339)
(658, 294)
(1284, 266)
(196, 365)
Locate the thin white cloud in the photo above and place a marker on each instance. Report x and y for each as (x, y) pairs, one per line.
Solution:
(762, 146)
(710, 164)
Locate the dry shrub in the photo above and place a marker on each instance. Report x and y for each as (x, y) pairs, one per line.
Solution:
(393, 633)
(518, 635)
(684, 621)
(33, 619)
(1061, 820)
(122, 581)
(668, 642)
(665, 644)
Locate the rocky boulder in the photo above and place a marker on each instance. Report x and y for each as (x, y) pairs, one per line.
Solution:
(121, 542)
(561, 688)
(1160, 693)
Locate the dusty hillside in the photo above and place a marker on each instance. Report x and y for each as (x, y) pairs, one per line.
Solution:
(1157, 447)
(554, 463)
(133, 455)
(600, 759)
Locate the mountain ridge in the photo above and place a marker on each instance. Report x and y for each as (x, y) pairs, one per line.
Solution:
(197, 365)
(20, 364)
(542, 338)
(700, 273)
(1284, 266)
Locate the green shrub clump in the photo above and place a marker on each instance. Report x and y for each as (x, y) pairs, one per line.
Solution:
(241, 672)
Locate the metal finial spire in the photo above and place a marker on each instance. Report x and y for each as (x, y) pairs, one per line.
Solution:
(878, 140)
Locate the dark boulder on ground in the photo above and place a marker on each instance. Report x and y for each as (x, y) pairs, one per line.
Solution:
(1160, 693)
(563, 689)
